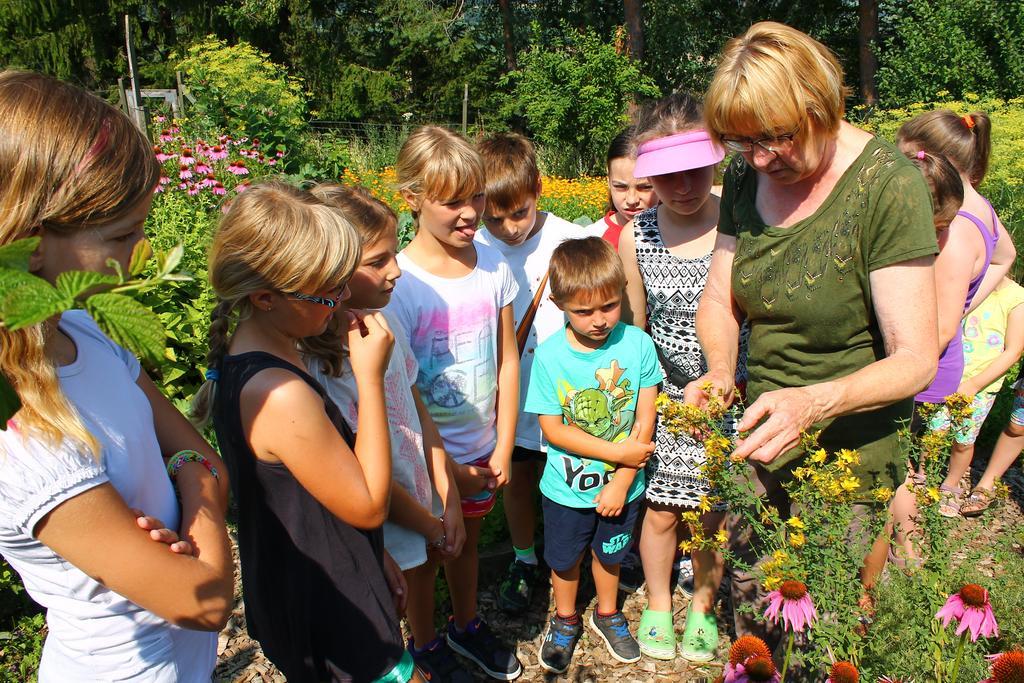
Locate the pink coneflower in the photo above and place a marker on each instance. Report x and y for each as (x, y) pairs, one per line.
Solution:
(158, 189)
(279, 154)
(182, 185)
(843, 672)
(184, 172)
(193, 190)
(166, 136)
(164, 179)
(238, 168)
(219, 189)
(186, 156)
(217, 153)
(756, 669)
(1007, 667)
(242, 187)
(161, 156)
(160, 118)
(209, 180)
(894, 679)
(971, 608)
(795, 604)
(175, 130)
(203, 169)
(271, 162)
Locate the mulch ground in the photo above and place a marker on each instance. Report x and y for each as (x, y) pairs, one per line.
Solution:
(241, 659)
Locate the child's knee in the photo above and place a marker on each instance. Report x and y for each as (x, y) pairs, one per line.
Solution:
(1014, 428)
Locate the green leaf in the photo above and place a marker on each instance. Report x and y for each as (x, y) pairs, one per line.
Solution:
(168, 261)
(74, 283)
(16, 254)
(140, 255)
(129, 323)
(29, 300)
(9, 401)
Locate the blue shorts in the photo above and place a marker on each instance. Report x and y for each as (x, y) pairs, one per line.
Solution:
(568, 531)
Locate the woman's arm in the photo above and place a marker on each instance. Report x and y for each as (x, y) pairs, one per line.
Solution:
(1002, 261)
(1013, 347)
(284, 421)
(718, 326)
(97, 533)
(634, 311)
(508, 396)
(904, 304)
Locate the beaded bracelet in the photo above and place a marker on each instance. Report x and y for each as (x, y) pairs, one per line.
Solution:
(439, 543)
(187, 455)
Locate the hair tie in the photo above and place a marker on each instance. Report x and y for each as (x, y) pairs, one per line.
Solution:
(920, 154)
(968, 121)
(212, 375)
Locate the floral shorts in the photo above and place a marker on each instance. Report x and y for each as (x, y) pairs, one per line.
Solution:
(1017, 414)
(980, 407)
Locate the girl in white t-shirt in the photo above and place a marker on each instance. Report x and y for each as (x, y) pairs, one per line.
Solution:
(455, 300)
(424, 522)
(84, 489)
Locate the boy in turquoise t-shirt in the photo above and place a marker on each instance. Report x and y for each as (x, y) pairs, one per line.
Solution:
(593, 387)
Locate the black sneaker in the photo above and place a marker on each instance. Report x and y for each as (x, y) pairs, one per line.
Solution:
(614, 630)
(438, 665)
(559, 643)
(479, 644)
(516, 590)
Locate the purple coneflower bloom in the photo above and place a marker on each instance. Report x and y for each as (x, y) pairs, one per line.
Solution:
(218, 188)
(186, 156)
(217, 152)
(971, 608)
(238, 168)
(795, 605)
(165, 136)
(202, 169)
(756, 669)
(1007, 667)
(184, 172)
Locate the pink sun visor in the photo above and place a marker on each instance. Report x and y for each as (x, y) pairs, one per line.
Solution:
(679, 152)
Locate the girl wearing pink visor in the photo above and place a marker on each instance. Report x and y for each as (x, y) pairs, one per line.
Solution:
(667, 251)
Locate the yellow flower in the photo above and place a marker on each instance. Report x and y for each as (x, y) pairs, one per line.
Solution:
(933, 493)
(691, 516)
(797, 539)
(686, 546)
(780, 556)
(770, 583)
(795, 523)
(722, 536)
(801, 472)
(818, 457)
(850, 484)
(847, 457)
(882, 494)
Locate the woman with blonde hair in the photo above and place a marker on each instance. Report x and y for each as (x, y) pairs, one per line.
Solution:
(826, 247)
(311, 496)
(86, 452)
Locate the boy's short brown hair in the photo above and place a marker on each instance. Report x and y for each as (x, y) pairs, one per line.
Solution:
(510, 165)
(587, 266)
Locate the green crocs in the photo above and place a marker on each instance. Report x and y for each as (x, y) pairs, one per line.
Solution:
(700, 638)
(656, 636)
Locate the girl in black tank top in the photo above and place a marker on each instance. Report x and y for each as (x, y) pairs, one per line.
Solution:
(310, 498)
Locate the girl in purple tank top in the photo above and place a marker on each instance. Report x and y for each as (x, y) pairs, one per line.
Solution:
(975, 254)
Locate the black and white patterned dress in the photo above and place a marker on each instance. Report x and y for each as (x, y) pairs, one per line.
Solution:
(674, 287)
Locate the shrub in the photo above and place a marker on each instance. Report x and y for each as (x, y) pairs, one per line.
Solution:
(957, 45)
(238, 88)
(574, 97)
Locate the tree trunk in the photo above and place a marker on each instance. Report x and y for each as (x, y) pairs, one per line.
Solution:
(506, 26)
(867, 39)
(635, 25)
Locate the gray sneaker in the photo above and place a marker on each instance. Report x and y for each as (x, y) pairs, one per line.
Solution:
(614, 631)
(559, 644)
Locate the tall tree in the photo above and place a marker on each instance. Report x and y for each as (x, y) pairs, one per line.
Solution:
(635, 25)
(867, 42)
(506, 28)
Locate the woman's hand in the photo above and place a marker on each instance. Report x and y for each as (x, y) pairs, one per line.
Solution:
(472, 479)
(780, 417)
(369, 344)
(723, 383)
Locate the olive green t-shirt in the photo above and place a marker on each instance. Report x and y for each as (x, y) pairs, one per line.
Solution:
(807, 297)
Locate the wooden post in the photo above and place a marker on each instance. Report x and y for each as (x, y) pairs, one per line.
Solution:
(465, 108)
(179, 100)
(136, 111)
(122, 101)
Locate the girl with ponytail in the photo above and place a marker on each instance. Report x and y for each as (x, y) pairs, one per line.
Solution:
(82, 463)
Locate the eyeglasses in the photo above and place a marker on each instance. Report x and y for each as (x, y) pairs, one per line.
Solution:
(776, 144)
(330, 302)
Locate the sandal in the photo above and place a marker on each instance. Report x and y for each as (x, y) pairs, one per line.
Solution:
(977, 502)
(656, 635)
(700, 637)
(949, 501)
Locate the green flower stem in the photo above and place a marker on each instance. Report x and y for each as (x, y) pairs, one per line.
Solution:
(959, 655)
(789, 653)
